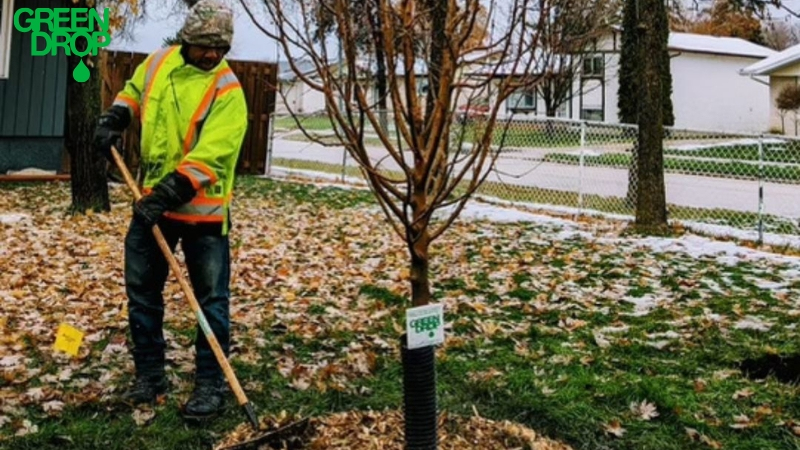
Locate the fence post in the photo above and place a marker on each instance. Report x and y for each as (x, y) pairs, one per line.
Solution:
(580, 170)
(344, 163)
(760, 189)
(270, 138)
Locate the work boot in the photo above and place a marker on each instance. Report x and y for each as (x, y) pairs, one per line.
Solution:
(207, 399)
(145, 389)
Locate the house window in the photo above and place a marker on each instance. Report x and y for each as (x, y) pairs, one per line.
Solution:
(593, 66)
(422, 87)
(6, 24)
(523, 101)
(592, 114)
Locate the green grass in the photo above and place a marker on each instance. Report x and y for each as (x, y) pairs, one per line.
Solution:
(309, 123)
(547, 375)
(732, 169)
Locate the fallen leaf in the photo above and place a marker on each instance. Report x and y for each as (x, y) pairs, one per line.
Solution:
(143, 416)
(53, 406)
(743, 393)
(644, 410)
(26, 428)
(615, 428)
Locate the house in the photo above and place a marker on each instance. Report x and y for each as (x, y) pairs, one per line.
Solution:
(294, 95)
(297, 97)
(708, 93)
(782, 69)
(33, 91)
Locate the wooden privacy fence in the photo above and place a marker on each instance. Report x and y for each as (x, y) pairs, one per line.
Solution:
(258, 79)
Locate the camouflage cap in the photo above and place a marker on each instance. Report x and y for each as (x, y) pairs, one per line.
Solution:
(209, 23)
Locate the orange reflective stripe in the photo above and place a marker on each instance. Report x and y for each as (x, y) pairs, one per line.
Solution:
(193, 217)
(207, 201)
(227, 88)
(153, 68)
(126, 100)
(224, 82)
(187, 143)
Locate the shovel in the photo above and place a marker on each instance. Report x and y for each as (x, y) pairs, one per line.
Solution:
(201, 318)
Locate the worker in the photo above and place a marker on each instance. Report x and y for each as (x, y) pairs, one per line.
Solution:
(193, 117)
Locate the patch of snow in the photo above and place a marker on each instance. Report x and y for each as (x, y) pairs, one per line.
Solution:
(777, 240)
(727, 143)
(660, 345)
(481, 211)
(719, 45)
(715, 287)
(10, 218)
(753, 323)
(667, 334)
(641, 305)
(351, 183)
(699, 246)
(619, 329)
(769, 285)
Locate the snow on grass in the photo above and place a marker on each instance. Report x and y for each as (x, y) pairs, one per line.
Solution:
(773, 239)
(696, 246)
(733, 143)
(753, 323)
(728, 253)
(481, 211)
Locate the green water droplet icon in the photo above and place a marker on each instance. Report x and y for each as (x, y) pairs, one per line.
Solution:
(81, 72)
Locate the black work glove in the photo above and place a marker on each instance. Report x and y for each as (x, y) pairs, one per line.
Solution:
(109, 130)
(173, 191)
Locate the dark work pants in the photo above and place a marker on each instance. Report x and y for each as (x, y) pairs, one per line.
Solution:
(207, 255)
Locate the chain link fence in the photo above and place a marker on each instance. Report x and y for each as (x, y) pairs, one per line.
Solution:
(714, 180)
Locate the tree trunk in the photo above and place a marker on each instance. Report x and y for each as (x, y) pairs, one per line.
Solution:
(420, 284)
(381, 83)
(87, 171)
(651, 208)
(633, 171)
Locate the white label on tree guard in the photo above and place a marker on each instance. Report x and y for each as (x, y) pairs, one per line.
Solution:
(425, 326)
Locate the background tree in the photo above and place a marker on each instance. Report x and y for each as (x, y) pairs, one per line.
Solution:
(89, 187)
(428, 176)
(788, 100)
(725, 18)
(780, 35)
(645, 100)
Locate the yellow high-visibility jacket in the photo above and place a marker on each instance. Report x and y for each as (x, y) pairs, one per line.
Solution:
(192, 121)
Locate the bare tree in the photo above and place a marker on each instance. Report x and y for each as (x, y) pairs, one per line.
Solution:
(780, 35)
(433, 165)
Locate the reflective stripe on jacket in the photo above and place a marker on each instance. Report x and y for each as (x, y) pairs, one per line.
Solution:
(192, 121)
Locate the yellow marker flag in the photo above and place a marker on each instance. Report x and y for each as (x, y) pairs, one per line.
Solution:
(68, 339)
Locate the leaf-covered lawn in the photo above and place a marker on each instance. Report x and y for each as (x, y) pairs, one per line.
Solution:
(598, 340)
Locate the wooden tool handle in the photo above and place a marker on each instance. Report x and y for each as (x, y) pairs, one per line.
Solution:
(173, 263)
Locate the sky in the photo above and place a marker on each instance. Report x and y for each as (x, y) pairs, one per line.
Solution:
(163, 19)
